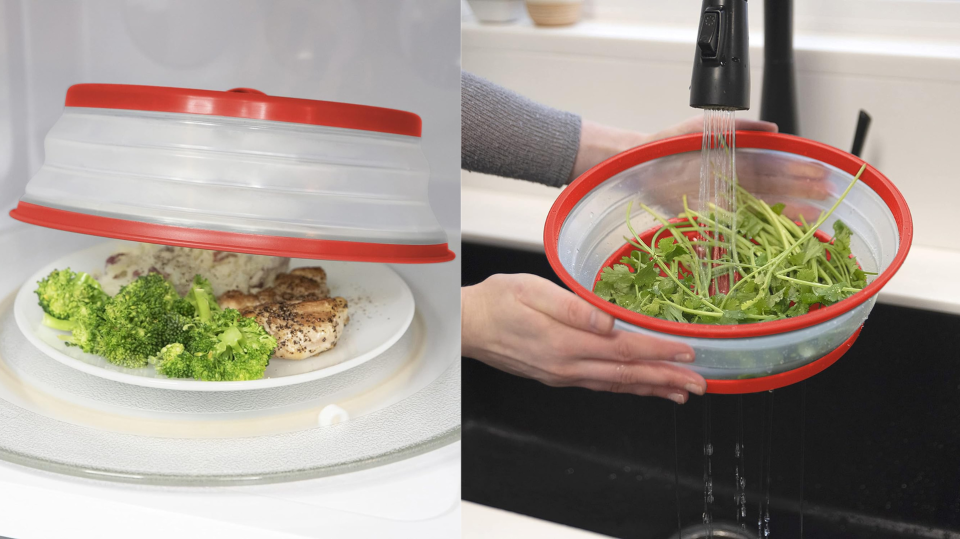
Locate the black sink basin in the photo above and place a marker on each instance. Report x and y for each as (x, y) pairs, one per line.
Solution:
(867, 448)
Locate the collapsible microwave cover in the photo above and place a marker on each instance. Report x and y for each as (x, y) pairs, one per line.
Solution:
(237, 171)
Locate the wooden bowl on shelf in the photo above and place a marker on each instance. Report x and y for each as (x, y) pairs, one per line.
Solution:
(555, 12)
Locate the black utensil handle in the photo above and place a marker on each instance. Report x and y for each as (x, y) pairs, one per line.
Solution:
(863, 123)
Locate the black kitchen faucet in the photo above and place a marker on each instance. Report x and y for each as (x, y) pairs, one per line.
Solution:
(721, 66)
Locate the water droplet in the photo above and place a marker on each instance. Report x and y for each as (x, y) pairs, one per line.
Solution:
(708, 450)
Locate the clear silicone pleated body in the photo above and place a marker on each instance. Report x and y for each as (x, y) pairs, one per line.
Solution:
(596, 226)
(238, 175)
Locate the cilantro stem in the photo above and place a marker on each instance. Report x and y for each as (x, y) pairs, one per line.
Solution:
(836, 256)
(808, 234)
(774, 219)
(699, 286)
(634, 232)
(830, 269)
(659, 261)
(692, 311)
(697, 217)
(813, 284)
(791, 226)
(760, 316)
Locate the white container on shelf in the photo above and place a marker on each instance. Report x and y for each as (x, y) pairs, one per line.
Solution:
(496, 10)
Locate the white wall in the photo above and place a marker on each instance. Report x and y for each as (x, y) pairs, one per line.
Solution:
(400, 54)
(638, 77)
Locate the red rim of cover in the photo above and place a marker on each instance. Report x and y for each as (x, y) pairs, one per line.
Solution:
(849, 163)
(257, 244)
(244, 103)
(783, 379)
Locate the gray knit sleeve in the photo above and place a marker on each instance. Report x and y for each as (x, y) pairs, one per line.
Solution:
(506, 134)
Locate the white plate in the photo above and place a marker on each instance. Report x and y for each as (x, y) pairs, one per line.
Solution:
(381, 308)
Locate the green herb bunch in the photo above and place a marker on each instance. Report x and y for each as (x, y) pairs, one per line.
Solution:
(783, 270)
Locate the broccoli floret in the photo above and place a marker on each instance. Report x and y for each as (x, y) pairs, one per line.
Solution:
(139, 321)
(228, 347)
(201, 299)
(183, 308)
(177, 328)
(174, 361)
(86, 331)
(67, 295)
(73, 302)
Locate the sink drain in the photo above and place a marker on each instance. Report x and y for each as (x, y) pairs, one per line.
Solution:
(703, 531)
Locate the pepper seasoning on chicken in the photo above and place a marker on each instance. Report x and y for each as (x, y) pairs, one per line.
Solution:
(297, 311)
(302, 329)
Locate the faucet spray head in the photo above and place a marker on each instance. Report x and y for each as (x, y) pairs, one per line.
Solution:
(721, 66)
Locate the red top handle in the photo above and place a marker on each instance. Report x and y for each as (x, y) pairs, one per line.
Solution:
(244, 103)
(246, 91)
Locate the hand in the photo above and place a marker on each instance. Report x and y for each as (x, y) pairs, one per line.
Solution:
(769, 176)
(530, 327)
(695, 125)
(600, 142)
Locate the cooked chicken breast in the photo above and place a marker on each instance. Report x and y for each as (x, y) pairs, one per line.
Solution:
(316, 273)
(235, 299)
(302, 329)
(291, 287)
(296, 310)
(301, 284)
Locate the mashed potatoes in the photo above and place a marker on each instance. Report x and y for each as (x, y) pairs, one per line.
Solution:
(226, 271)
